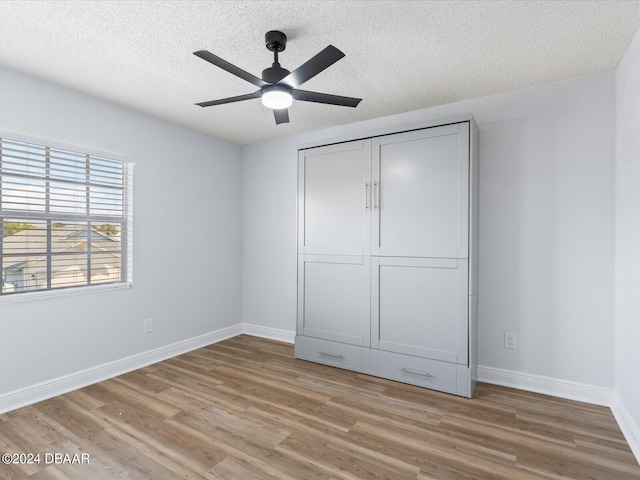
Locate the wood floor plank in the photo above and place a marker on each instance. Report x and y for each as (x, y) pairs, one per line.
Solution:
(246, 409)
(168, 458)
(324, 433)
(169, 442)
(343, 461)
(232, 445)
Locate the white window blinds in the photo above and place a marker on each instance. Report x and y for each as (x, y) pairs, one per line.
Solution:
(66, 218)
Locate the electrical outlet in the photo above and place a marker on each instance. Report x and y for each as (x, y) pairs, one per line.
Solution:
(509, 340)
(148, 325)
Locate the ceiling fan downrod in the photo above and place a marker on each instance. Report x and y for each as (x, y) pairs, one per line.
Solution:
(275, 42)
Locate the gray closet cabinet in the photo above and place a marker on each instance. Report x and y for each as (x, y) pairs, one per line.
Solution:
(387, 256)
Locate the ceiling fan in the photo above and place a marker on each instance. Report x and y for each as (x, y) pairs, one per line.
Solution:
(279, 86)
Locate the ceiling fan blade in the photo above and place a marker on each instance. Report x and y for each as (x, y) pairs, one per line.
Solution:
(313, 66)
(306, 96)
(223, 64)
(239, 98)
(281, 116)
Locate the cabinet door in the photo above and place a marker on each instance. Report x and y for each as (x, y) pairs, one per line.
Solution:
(421, 182)
(334, 199)
(334, 298)
(420, 307)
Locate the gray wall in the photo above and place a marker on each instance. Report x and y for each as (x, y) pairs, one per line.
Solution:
(627, 302)
(546, 226)
(187, 239)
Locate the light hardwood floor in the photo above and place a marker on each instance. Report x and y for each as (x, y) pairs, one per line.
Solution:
(245, 409)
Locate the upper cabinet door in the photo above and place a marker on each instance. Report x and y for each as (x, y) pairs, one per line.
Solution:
(334, 199)
(420, 193)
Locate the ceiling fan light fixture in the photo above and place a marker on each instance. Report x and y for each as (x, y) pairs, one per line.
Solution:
(276, 97)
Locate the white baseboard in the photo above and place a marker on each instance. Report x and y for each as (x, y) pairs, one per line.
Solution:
(630, 429)
(58, 386)
(267, 332)
(556, 387)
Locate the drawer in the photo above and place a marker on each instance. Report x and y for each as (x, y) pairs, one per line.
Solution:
(422, 372)
(332, 353)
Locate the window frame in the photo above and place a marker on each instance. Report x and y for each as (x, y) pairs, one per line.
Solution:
(126, 220)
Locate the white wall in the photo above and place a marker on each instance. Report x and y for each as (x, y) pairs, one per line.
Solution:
(187, 239)
(546, 226)
(627, 228)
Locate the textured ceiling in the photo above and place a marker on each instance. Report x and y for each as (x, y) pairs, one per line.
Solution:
(400, 55)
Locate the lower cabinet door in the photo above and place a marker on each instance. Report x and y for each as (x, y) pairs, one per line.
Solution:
(331, 353)
(420, 307)
(333, 298)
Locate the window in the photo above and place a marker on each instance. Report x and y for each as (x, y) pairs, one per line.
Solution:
(65, 218)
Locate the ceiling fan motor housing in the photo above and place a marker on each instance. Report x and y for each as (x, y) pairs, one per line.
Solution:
(274, 74)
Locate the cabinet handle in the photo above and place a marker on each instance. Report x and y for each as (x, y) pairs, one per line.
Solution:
(424, 374)
(366, 195)
(375, 184)
(332, 355)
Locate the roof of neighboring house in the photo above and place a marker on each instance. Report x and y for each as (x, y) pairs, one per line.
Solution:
(17, 266)
(63, 238)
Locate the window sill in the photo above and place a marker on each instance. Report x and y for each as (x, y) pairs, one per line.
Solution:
(61, 293)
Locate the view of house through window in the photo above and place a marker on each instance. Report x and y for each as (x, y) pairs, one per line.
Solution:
(65, 218)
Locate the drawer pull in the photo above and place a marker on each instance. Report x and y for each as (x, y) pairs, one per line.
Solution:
(424, 374)
(332, 355)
